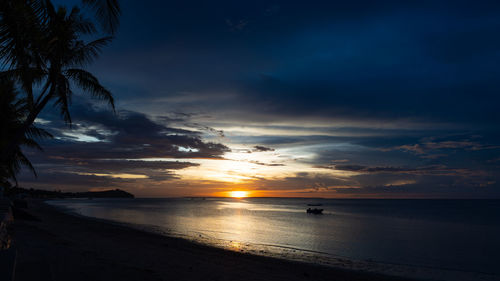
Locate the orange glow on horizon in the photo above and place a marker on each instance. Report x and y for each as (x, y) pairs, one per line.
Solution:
(238, 194)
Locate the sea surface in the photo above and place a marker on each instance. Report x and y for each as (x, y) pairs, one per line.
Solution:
(459, 235)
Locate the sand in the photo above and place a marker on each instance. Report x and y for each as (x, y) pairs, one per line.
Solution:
(60, 246)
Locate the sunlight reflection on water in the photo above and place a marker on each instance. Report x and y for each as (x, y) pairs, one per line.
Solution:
(448, 234)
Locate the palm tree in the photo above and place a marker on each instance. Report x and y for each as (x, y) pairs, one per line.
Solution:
(42, 48)
(13, 111)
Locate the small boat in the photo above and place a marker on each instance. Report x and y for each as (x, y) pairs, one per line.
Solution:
(314, 211)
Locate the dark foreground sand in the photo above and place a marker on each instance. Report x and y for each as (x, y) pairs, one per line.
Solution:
(65, 247)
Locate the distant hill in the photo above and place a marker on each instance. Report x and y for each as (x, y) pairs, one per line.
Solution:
(38, 193)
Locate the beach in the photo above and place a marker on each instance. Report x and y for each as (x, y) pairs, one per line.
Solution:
(59, 246)
(249, 140)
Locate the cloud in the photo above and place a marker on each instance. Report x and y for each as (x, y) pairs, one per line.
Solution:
(237, 25)
(126, 135)
(428, 148)
(396, 89)
(267, 164)
(260, 148)
(107, 150)
(218, 133)
(421, 190)
(385, 62)
(366, 169)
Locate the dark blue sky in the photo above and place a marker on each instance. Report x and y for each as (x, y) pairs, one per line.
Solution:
(356, 98)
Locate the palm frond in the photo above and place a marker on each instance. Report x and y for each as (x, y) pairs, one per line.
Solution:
(107, 13)
(90, 84)
(38, 133)
(20, 33)
(27, 78)
(13, 112)
(79, 23)
(84, 54)
(31, 144)
(23, 160)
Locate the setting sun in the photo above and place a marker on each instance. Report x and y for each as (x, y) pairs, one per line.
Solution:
(238, 194)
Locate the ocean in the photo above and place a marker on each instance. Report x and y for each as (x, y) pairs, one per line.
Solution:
(457, 235)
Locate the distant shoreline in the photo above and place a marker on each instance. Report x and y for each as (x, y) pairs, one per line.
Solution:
(58, 194)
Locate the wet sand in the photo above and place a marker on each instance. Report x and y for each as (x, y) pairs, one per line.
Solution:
(60, 246)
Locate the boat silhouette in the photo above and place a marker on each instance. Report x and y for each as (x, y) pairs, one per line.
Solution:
(314, 211)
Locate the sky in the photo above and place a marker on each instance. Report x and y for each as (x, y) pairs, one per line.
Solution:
(344, 99)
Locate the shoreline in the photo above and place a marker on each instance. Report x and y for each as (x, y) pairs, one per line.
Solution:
(84, 244)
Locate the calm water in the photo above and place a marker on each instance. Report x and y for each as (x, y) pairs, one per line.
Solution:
(452, 234)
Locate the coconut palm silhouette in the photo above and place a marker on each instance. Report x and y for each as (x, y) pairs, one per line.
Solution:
(43, 51)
